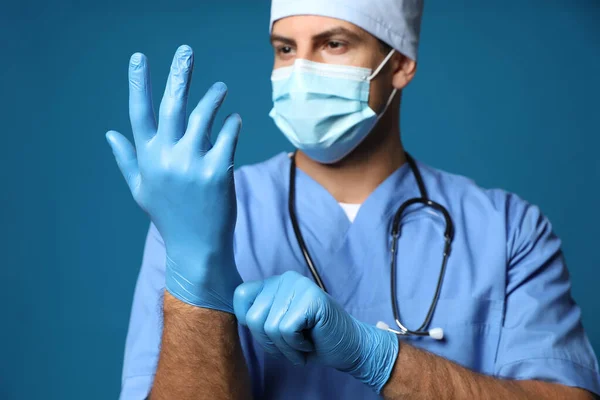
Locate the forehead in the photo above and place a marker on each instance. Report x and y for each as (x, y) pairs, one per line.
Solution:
(299, 26)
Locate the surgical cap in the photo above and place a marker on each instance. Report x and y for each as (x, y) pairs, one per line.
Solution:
(395, 22)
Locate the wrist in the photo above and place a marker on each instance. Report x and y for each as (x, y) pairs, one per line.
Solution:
(378, 353)
(174, 308)
(197, 254)
(203, 283)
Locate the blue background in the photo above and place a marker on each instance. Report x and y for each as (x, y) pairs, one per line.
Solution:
(506, 93)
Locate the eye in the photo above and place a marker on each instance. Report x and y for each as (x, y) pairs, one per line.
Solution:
(336, 47)
(284, 50)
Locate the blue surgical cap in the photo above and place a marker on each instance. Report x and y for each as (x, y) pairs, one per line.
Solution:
(395, 22)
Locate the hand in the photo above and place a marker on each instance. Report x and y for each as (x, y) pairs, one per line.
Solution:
(290, 316)
(183, 182)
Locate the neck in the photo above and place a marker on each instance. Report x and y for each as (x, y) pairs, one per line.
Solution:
(354, 178)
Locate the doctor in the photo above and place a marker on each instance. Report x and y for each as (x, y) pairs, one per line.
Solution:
(468, 286)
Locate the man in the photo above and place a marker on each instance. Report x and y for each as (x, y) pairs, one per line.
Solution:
(497, 319)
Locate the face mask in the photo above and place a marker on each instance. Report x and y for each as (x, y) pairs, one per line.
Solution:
(323, 109)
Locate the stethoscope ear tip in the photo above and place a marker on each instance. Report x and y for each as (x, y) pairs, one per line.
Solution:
(383, 326)
(436, 333)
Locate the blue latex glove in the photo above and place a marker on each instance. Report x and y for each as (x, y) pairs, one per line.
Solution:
(183, 182)
(289, 315)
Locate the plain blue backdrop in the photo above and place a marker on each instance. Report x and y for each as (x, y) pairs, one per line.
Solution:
(506, 93)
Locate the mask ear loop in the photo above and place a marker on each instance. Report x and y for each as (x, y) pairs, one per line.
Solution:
(387, 105)
(378, 70)
(374, 74)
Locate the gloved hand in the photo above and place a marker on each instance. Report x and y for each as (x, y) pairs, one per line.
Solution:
(290, 315)
(183, 182)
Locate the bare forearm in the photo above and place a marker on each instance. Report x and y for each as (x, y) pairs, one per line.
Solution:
(421, 375)
(201, 356)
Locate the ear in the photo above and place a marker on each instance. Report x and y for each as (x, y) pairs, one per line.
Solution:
(404, 71)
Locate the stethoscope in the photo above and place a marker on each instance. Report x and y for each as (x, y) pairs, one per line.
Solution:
(435, 333)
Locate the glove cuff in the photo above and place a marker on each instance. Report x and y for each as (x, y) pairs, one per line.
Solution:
(378, 356)
(213, 294)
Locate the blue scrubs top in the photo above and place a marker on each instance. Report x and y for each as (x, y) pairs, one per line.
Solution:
(505, 305)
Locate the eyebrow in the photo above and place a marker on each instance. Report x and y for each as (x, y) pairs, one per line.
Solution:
(337, 31)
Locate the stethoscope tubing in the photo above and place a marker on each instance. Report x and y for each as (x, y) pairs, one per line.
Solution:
(395, 232)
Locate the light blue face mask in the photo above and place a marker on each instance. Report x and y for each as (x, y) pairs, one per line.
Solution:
(323, 109)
